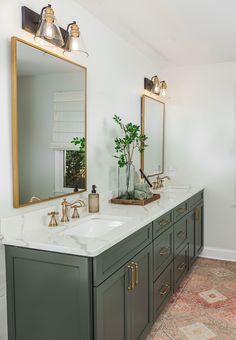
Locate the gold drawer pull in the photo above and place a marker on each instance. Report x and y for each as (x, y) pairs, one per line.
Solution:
(197, 214)
(164, 251)
(136, 274)
(181, 210)
(182, 266)
(181, 235)
(165, 290)
(132, 270)
(163, 223)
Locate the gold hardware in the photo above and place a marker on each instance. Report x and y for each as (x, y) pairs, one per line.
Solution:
(65, 205)
(136, 273)
(164, 222)
(74, 30)
(181, 210)
(197, 214)
(181, 267)
(15, 119)
(34, 199)
(132, 269)
(165, 289)
(49, 14)
(181, 234)
(164, 251)
(53, 221)
(75, 212)
(159, 183)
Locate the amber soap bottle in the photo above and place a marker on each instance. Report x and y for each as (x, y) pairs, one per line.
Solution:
(93, 200)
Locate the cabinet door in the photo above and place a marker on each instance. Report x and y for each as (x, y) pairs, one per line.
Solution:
(48, 295)
(191, 237)
(199, 223)
(123, 302)
(111, 307)
(142, 296)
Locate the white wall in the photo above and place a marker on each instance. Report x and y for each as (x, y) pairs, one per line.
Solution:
(115, 83)
(200, 142)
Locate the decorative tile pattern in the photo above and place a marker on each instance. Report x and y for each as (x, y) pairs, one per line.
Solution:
(197, 331)
(212, 296)
(204, 307)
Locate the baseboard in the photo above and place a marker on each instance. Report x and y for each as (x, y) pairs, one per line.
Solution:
(219, 254)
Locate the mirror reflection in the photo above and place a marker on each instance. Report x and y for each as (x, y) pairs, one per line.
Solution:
(51, 114)
(152, 123)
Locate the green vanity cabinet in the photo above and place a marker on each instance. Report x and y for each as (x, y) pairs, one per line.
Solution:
(116, 295)
(123, 302)
(49, 295)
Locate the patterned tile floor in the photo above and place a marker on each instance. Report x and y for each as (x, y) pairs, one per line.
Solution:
(204, 307)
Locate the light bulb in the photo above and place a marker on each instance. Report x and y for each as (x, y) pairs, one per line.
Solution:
(49, 31)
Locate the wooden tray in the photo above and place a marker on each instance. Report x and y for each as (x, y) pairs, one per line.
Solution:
(117, 200)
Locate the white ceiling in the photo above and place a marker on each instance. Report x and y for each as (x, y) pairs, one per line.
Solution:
(174, 32)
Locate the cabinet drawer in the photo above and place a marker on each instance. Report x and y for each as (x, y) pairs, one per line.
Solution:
(112, 259)
(162, 223)
(180, 266)
(180, 211)
(163, 288)
(180, 234)
(163, 251)
(195, 199)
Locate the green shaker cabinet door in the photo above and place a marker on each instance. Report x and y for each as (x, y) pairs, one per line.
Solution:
(123, 302)
(199, 236)
(191, 237)
(142, 296)
(111, 305)
(49, 296)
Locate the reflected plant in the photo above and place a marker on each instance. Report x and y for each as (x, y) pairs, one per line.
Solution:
(75, 163)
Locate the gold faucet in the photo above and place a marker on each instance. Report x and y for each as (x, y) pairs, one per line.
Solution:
(158, 184)
(65, 205)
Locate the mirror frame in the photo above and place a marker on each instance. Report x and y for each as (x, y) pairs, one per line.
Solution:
(15, 156)
(144, 96)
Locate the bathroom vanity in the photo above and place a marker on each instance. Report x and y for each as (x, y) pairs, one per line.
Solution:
(107, 288)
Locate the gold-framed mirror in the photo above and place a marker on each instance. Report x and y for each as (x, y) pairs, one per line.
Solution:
(49, 110)
(152, 125)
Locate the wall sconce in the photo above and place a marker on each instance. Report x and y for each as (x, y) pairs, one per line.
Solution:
(155, 86)
(46, 30)
(74, 41)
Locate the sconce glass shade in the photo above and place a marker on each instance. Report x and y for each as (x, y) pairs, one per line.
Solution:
(74, 42)
(163, 88)
(48, 29)
(156, 85)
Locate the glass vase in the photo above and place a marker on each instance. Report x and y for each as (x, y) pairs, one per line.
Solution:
(126, 177)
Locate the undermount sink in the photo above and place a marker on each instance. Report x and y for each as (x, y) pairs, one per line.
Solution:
(176, 189)
(96, 226)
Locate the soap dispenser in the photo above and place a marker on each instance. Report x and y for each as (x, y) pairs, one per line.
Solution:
(93, 200)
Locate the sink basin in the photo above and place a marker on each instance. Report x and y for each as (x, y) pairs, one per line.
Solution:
(175, 189)
(96, 226)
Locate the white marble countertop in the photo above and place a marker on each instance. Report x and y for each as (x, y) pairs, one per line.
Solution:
(31, 229)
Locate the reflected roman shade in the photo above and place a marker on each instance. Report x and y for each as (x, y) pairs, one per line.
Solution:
(69, 116)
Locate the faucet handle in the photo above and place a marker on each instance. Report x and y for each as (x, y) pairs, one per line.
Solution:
(75, 212)
(53, 220)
